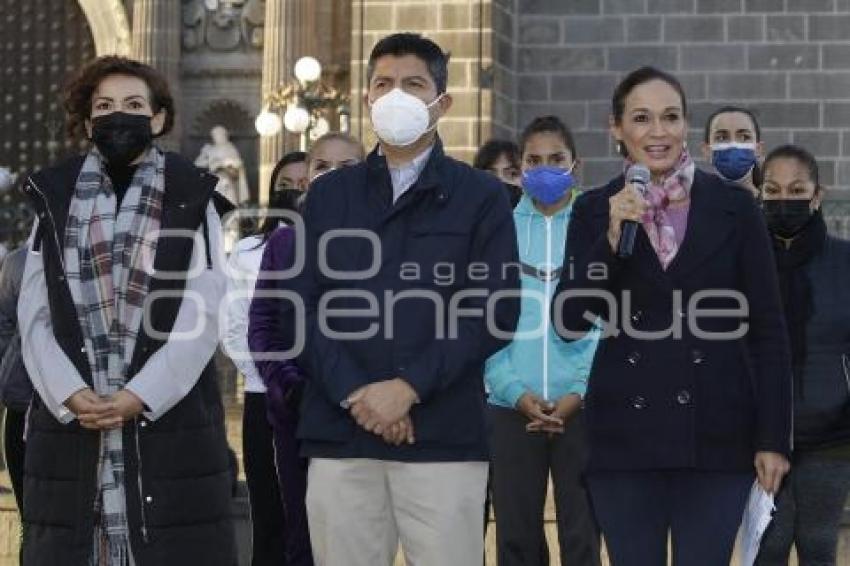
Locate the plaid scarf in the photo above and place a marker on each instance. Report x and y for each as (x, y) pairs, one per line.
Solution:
(674, 190)
(108, 264)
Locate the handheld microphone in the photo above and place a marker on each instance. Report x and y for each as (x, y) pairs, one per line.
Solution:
(637, 175)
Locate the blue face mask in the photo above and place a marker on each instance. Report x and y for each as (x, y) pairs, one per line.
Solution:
(547, 185)
(733, 160)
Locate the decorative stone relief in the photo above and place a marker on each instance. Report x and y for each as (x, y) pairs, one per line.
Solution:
(223, 25)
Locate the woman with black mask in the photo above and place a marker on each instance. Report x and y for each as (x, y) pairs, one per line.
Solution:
(814, 269)
(283, 379)
(127, 458)
(268, 524)
(502, 159)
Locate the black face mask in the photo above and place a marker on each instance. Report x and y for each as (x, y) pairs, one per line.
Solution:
(786, 217)
(514, 193)
(286, 198)
(121, 137)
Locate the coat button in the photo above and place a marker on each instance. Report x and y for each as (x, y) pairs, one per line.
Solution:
(83, 349)
(639, 402)
(143, 424)
(697, 356)
(633, 358)
(148, 499)
(684, 397)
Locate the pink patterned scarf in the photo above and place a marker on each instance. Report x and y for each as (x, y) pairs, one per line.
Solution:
(672, 192)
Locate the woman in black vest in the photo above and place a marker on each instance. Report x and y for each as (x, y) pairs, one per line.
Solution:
(126, 458)
(689, 395)
(814, 269)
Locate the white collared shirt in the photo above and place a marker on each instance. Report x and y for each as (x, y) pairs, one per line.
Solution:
(404, 176)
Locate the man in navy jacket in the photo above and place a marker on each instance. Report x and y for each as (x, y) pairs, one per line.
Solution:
(409, 283)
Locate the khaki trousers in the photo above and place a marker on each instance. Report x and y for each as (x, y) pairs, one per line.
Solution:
(359, 510)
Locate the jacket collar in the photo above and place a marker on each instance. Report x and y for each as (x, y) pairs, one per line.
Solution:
(431, 176)
(185, 184)
(710, 223)
(380, 185)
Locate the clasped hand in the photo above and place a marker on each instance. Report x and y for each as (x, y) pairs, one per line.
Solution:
(545, 416)
(383, 408)
(103, 413)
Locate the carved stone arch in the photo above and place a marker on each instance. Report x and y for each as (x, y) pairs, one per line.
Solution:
(228, 113)
(109, 25)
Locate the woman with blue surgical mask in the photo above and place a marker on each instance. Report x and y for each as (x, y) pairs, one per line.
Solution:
(732, 143)
(536, 384)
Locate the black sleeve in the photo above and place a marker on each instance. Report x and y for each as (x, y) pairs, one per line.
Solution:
(595, 267)
(326, 362)
(767, 336)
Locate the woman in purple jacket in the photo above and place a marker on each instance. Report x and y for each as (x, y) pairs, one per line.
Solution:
(283, 378)
(268, 529)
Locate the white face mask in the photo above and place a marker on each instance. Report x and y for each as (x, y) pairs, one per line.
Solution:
(400, 119)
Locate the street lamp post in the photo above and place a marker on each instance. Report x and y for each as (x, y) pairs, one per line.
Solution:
(304, 102)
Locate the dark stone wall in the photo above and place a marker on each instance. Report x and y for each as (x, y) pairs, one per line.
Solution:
(787, 59)
(41, 43)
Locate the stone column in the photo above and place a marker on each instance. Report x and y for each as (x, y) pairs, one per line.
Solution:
(156, 41)
(289, 34)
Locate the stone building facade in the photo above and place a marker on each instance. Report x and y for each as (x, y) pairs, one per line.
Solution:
(787, 59)
(511, 60)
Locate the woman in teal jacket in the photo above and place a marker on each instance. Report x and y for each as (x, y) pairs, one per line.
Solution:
(537, 382)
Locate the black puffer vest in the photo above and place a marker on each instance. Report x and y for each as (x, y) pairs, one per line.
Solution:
(177, 472)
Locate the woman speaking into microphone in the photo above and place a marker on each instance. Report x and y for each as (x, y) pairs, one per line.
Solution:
(689, 397)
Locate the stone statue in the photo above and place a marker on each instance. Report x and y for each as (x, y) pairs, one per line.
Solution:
(7, 179)
(222, 159)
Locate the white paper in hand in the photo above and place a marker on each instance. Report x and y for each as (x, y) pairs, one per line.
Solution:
(757, 517)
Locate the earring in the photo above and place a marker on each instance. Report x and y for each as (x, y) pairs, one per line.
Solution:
(619, 147)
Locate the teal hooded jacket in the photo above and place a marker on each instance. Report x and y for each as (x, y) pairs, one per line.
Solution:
(537, 360)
